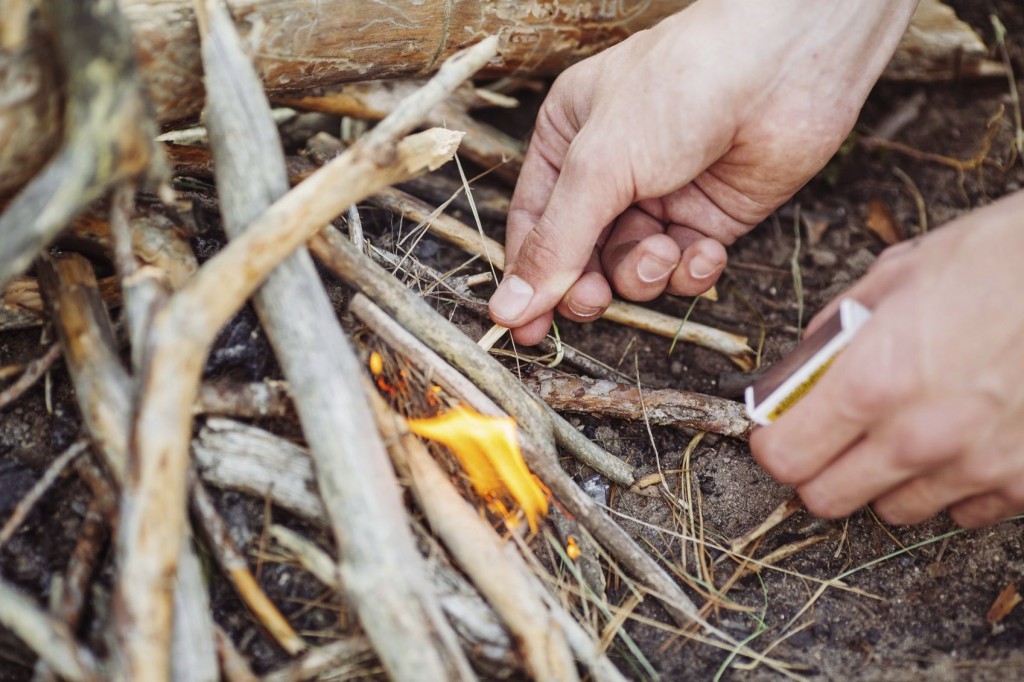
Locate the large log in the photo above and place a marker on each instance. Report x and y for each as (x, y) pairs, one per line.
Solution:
(303, 45)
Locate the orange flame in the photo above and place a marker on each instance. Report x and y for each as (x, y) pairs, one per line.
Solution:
(488, 450)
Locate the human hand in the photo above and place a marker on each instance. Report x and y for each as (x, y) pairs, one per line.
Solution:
(925, 409)
(649, 157)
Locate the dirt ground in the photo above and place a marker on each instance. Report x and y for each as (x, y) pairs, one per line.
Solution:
(904, 613)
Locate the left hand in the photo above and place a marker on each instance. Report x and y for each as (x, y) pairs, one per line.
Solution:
(925, 409)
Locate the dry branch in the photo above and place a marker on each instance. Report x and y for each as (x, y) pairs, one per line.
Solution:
(237, 456)
(104, 393)
(470, 240)
(49, 638)
(399, 338)
(664, 407)
(183, 331)
(485, 638)
(108, 134)
(233, 563)
(249, 400)
(384, 574)
(102, 386)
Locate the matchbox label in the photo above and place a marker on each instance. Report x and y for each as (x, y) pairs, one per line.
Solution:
(788, 381)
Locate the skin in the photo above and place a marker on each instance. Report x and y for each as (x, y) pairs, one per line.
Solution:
(925, 409)
(650, 158)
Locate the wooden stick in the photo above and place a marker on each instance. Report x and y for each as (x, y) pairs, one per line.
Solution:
(485, 638)
(103, 389)
(33, 371)
(470, 240)
(153, 503)
(28, 502)
(385, 575)
(664, 407)
(354, 651)
(254, 400)
(241, 457)
(102, 386)
(74, 589)
(45, 635)
(232, 663)
(485, 145)
(233, 563)
(193, 651)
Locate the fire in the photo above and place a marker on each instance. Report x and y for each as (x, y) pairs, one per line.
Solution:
(488, 450)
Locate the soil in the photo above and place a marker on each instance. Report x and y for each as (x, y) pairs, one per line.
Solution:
(915, 599)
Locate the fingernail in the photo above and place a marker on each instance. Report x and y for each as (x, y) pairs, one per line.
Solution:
(651, 268)
(511, 298)
(582, 311)
(702, 267)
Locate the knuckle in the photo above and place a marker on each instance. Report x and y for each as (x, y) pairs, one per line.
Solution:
(538, 251)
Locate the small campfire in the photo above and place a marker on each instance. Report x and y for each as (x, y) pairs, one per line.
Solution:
(406, 485)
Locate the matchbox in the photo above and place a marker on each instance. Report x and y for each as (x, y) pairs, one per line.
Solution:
(787, 382)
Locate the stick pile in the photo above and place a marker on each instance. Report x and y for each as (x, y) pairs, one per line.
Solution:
(435, 590)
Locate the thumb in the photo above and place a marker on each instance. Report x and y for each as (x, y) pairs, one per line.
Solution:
(550, 250)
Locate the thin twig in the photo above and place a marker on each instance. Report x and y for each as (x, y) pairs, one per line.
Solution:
(491, 566)
(396, 335)
(29, 376)
(28, 502)
(232, 663)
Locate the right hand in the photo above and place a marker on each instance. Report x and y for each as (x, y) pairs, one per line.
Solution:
(648, 158)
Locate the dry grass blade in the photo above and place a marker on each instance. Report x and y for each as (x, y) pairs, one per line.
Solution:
(791, 506)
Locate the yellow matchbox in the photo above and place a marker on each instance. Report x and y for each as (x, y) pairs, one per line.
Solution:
(787, 382)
